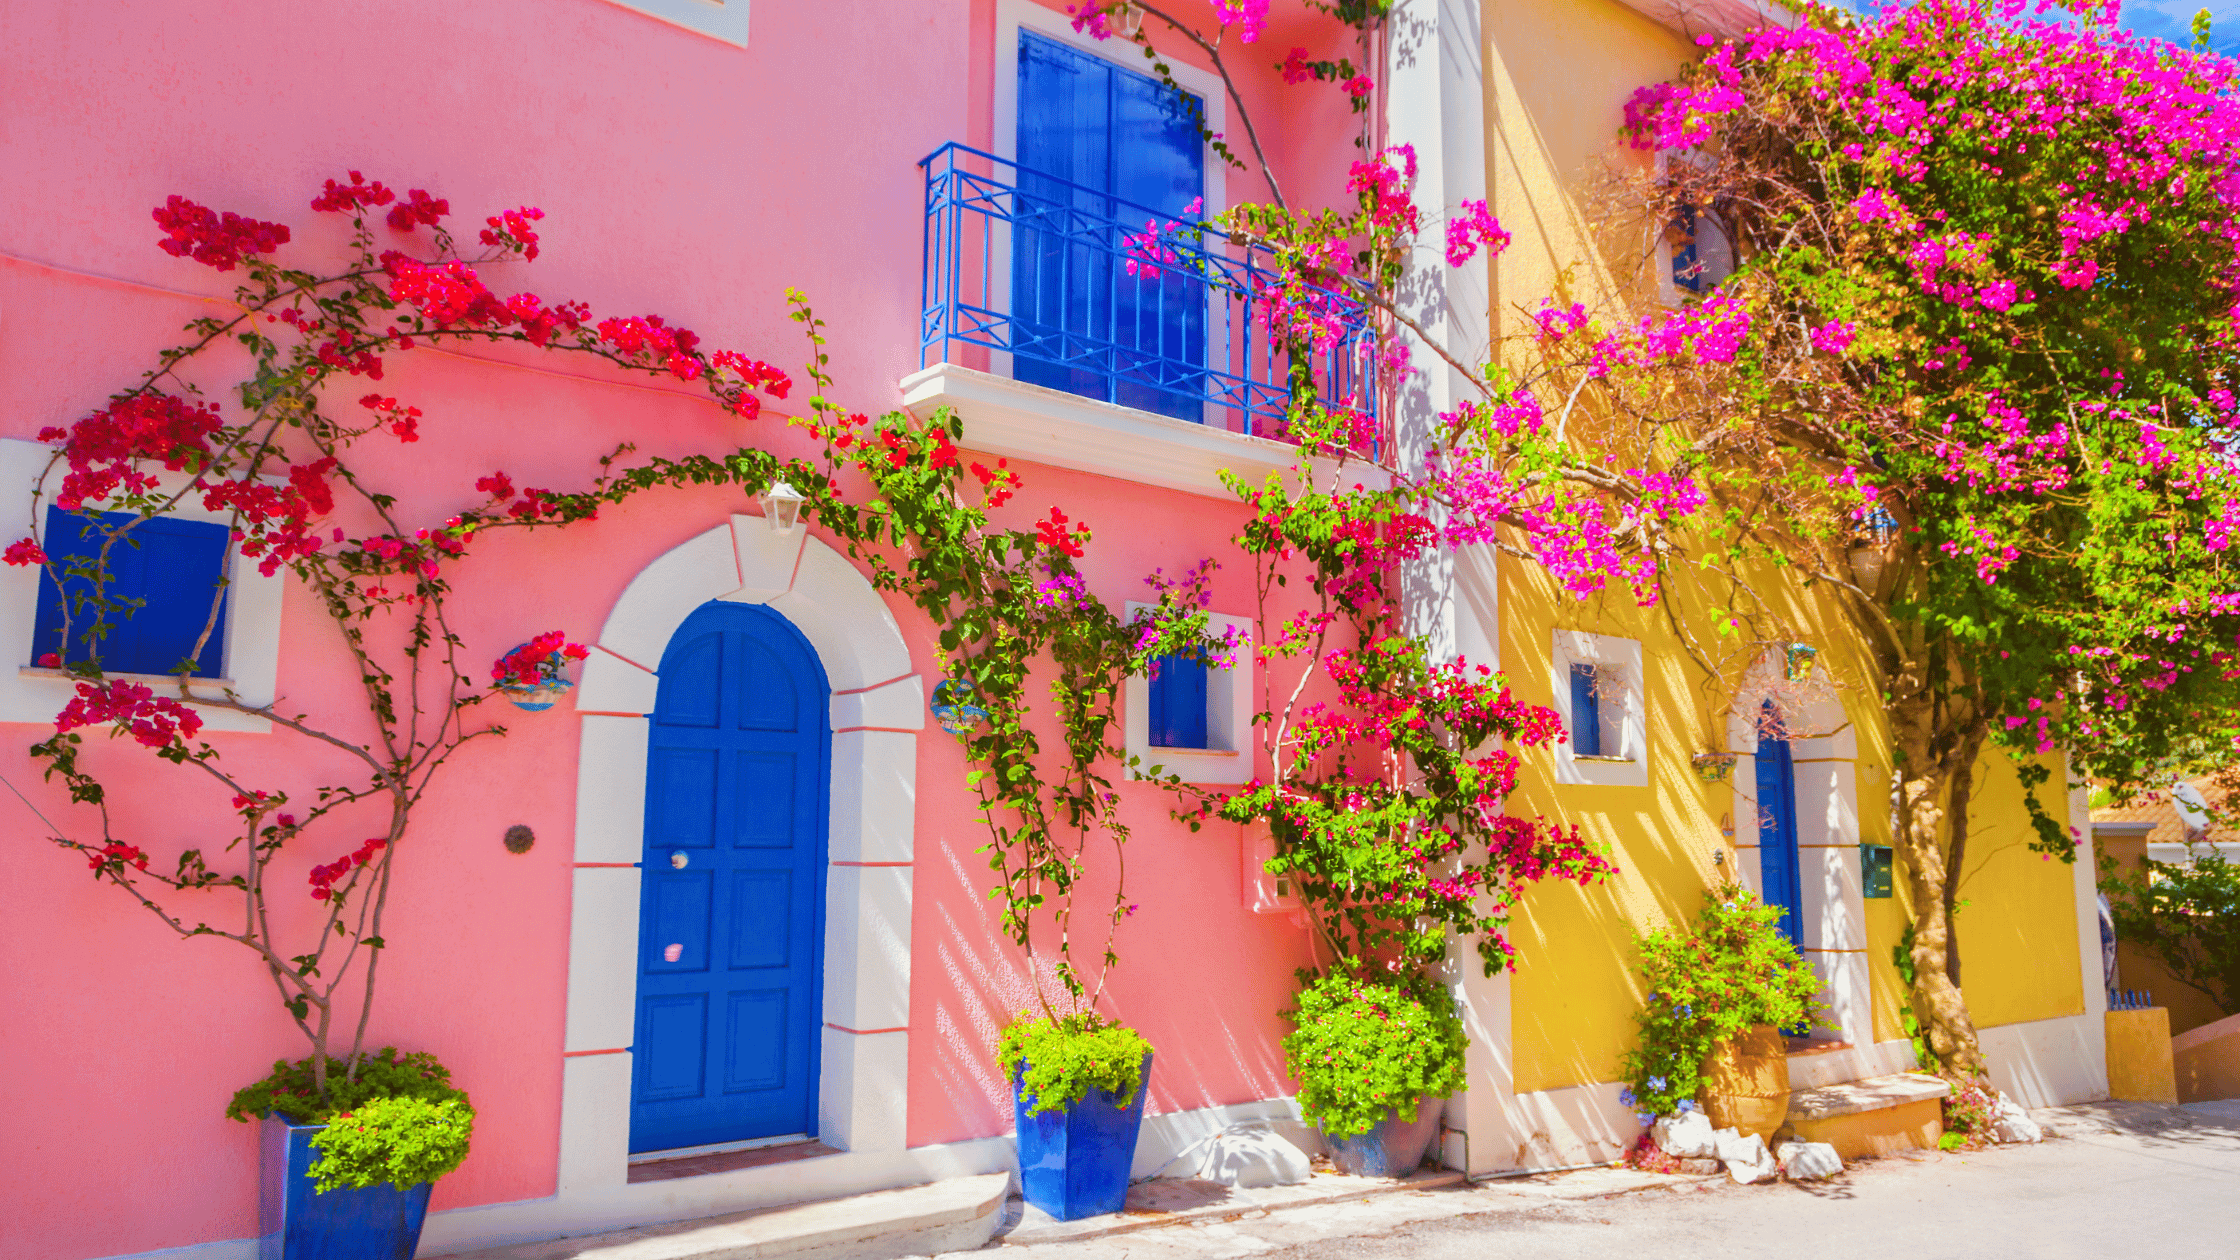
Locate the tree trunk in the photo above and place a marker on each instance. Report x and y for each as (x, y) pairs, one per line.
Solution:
(1925, 780)
(1962, 796)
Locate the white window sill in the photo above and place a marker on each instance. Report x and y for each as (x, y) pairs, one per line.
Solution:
(1165, 751)
(1049, 426)
(1622, 761)
(170, 681)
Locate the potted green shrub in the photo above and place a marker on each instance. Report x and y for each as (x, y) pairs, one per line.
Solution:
(1720, 993)
(349, 1162)
(1077, 1091)
(1373, 1056)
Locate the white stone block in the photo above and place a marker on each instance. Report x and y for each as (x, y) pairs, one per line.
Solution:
(1846, 994)
(1809, 1161)
(863, 1097)
(594, 1123)
(874, 796)
(1746, 1158)
(766, 558)
(1250, 1156)
(1827, 803)
(855, 636)
(1835, 908)
(611, 789)
(899, 705)
(2010, 1123)
(1688, 1135)
(603, 959)
(667, 591)
(613, 685)
(1843, 745)
(867, 947)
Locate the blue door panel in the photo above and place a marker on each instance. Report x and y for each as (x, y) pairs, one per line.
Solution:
(681, 798)
(765, 781)
(1586, 712)
(691, 682)
(1091, 135)
(757, 1060)
(1777, 827)
(675, 1027)
(761, 919)
(730, 981)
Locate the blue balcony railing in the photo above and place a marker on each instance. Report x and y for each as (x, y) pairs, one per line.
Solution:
(1029, 276)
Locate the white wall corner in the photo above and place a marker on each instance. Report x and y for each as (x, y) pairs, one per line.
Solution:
(1562, 1128)
(899, 705)
(863, 1104)
(666, 592)
(594, 1123)
(611, 789)
(867, 948)
(874, 796)
(611, 684)
(603, 959)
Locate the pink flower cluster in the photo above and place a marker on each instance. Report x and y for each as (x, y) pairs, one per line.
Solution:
(323, 877)
(153, 721)
(214, 240)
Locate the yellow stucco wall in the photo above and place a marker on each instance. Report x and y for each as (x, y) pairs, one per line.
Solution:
(1558, 73)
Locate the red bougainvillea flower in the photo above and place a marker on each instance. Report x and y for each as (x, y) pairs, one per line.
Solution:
(355, 195)
(416, 209)
(323, 877)
(198, 232)
(24, 551)
(537, 661)
(1053, 533)
(152, 720)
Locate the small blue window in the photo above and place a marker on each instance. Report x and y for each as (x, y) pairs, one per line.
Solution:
(1178, 702)
(1586, 713)
(174, 567)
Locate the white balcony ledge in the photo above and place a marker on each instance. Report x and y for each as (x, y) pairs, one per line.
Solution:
(1049, 426)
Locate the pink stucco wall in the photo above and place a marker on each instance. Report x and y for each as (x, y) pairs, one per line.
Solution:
(681, 176)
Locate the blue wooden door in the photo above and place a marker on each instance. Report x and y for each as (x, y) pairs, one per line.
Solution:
(1777, 826)
(1102, 149)
(731, 910)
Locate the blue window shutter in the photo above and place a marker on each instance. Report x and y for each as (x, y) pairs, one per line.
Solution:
(1093, 135)
(1586, 713)
(1686, 271)
(1178, 703)
(172, 565)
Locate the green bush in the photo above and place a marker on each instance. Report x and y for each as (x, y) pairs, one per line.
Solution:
(399, 1121)
(2187, 914)
(1366, 1046)
(1734, 969)
(1068, 1057)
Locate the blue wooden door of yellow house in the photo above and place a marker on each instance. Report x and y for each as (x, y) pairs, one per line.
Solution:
(1777, 825)
(731, 910)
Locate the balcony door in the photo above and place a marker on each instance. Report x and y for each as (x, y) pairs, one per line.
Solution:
(1101, 150)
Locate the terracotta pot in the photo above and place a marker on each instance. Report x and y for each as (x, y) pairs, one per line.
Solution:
(1746, 1082)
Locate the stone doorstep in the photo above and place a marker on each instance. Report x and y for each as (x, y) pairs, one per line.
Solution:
(955, 1215)
(1158, 1202)
(1876, 1093)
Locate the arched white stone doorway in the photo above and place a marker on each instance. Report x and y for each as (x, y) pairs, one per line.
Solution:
(877, 710)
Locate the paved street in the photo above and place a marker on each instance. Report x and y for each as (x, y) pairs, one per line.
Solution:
(2120, 1180)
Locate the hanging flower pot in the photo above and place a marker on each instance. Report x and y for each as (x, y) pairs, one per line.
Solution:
(1798, 661)
(534, 674)
(950, 707)
(1712, 767)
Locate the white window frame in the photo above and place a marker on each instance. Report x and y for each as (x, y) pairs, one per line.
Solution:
(1227, 756)
(717, 19)
(31, 694)
(1626, 702)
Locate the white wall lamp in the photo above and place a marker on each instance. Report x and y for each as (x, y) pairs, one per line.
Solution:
(781, 507)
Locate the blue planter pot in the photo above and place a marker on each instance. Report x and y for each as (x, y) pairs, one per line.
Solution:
(1394, 1148)
(1074, 1163)
(299, 1223)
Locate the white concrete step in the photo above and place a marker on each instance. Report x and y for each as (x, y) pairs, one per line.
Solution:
(955, 1215)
